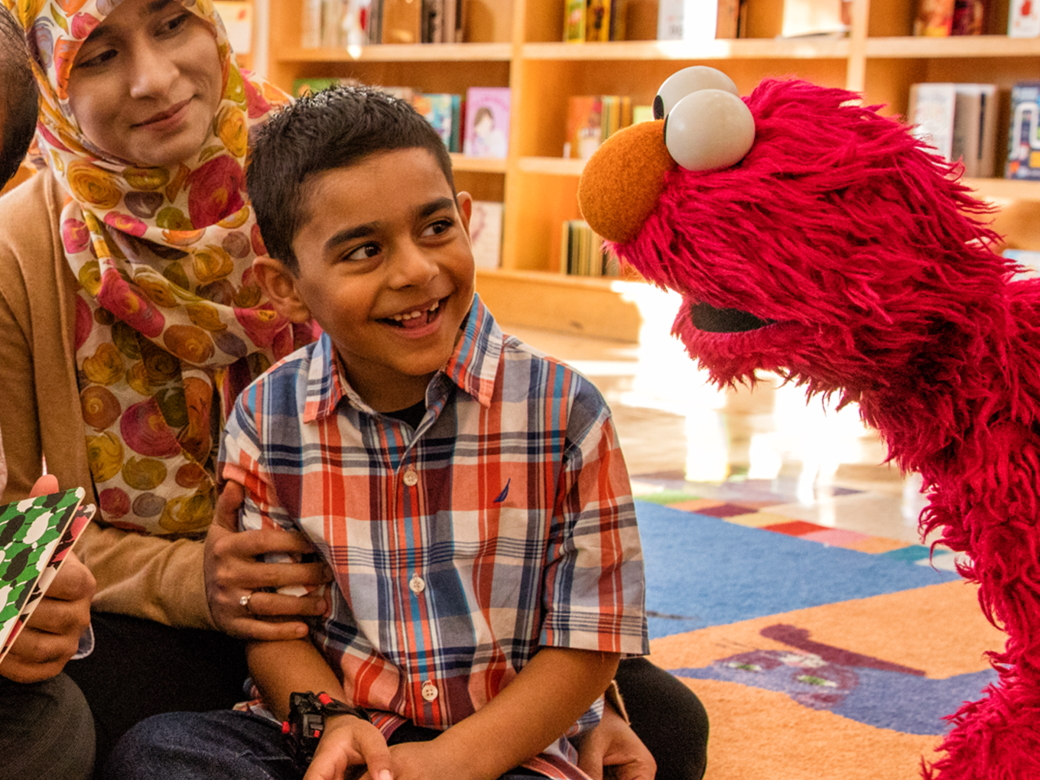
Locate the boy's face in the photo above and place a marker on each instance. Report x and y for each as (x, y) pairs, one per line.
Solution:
(386, 269)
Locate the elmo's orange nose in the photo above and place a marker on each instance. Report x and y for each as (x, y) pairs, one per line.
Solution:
(623, 180)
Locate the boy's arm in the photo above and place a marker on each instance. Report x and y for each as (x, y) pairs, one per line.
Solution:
(281, 668)
(555, 687)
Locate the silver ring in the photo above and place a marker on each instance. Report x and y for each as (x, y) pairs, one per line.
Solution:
(244, 601)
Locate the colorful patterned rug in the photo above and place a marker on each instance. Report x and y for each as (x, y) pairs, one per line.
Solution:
(819, 653)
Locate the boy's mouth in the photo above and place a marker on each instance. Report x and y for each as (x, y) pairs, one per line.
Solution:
(417, 318)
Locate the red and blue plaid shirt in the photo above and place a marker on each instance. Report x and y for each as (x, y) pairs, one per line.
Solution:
(502, 524)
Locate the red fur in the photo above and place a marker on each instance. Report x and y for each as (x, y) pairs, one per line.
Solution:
(876, 265)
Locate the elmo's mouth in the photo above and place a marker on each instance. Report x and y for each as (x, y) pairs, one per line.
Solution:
(707, 318)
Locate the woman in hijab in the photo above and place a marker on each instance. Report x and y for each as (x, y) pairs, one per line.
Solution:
(130, 320)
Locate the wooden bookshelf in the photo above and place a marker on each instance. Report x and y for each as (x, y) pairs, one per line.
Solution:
(517, 43)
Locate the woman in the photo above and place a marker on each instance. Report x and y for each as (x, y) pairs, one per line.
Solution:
(130, 320)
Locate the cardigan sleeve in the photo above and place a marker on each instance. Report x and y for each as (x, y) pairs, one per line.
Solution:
(151, 577)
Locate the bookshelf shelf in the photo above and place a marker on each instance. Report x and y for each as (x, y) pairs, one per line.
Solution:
(460, 162)
(551, 166)
(745, 49)
(517, 44)
(959, 46)
(427, 52)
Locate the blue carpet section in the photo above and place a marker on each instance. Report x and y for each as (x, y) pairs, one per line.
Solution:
(704, 571)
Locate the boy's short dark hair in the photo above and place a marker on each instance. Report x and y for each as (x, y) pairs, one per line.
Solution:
(19, 100)
(334, 128)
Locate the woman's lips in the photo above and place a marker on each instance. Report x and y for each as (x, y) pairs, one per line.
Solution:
(165, 118)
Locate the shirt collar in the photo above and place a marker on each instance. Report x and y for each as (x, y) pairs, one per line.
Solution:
(472, 367)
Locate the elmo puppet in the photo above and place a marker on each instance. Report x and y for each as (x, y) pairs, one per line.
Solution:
(812, 237)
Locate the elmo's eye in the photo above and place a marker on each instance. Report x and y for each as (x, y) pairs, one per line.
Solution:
(709, 130)
(687, 81)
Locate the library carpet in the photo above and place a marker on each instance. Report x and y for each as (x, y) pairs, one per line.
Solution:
(818, 652)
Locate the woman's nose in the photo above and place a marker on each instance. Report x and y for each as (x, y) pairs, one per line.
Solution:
(623, 180)
(152, 73)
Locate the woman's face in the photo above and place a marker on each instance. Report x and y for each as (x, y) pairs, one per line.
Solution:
(147, 82)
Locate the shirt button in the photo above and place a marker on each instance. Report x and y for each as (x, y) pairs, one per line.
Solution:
(411, 478)
(417, 584)
(429, 691)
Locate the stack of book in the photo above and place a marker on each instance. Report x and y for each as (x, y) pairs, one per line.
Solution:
(581, 252)
(940, 18)
(343, 23)
(594, 20)
(591, 120)
(959, 121)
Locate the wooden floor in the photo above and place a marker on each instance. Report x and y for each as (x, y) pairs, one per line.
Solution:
(674, 428)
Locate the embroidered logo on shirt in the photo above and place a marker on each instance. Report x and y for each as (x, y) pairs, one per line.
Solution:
(505, 492)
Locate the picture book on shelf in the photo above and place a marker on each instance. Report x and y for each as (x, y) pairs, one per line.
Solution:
(444, 111)
(592, 119)
(594, 20)
(487, 122)
(931, 110)
(697, 20)
(36, 534)
(934, 18)
(485, 233)
(1023, 154)
(1024, 19)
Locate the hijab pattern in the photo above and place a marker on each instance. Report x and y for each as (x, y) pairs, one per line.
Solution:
(170, 322)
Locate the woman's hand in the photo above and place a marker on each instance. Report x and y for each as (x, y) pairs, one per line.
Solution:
(347, 743)
(233, 572)
(51, 637)
(613, 750)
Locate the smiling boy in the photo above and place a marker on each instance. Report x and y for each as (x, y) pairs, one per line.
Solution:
(467, 492)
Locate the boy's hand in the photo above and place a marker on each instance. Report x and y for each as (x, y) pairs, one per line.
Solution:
(233, 571)
(350, 743)
(612, 749)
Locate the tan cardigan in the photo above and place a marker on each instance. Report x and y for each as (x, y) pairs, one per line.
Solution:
(159, 578)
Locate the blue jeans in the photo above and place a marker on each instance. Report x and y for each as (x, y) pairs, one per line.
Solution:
(220, 745)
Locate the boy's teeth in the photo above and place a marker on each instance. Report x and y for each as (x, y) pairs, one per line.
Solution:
(414, 314)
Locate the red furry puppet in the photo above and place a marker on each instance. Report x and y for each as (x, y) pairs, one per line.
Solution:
(811, 237)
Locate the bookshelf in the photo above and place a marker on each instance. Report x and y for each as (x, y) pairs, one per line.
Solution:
(517, 43)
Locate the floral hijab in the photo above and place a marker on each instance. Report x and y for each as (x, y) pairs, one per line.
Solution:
(170, 323)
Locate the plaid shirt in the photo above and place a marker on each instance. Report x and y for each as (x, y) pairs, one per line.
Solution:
(503, 523)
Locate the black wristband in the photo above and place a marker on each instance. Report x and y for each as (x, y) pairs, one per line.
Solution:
(306, 723)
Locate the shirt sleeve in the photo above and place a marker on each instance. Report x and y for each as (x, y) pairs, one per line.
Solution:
(593, 590)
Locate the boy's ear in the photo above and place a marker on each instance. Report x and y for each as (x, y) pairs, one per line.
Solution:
(279, 285)
(465, 201)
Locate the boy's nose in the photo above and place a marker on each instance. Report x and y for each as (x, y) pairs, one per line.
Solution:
(413, 267)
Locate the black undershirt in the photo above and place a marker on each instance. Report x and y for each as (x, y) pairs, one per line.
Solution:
(412, 415)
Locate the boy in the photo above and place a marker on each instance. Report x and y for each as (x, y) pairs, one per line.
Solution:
(468, 493)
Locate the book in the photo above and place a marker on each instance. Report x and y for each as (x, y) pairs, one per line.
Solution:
(931, 111)
(574, 21)
(969, 17)
(1024, 19)
(1023, 154)
(958, 121)
(934, 18)
(487, 122)
(485, 233)
(582, 253)
(444, 112)
(803, 18)
(592, 119)
(697, 20)
(401, 21)
(36, 535)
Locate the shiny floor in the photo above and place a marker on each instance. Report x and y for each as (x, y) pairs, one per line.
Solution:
(798, 459)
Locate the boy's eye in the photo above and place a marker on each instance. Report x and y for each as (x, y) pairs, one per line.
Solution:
(364, 252)
(438, 227)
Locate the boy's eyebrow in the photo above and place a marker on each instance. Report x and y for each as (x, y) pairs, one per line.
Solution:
(361, 231)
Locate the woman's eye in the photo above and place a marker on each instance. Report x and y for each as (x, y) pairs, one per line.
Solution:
(364, 252)
(96, 59)
(173, 24)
